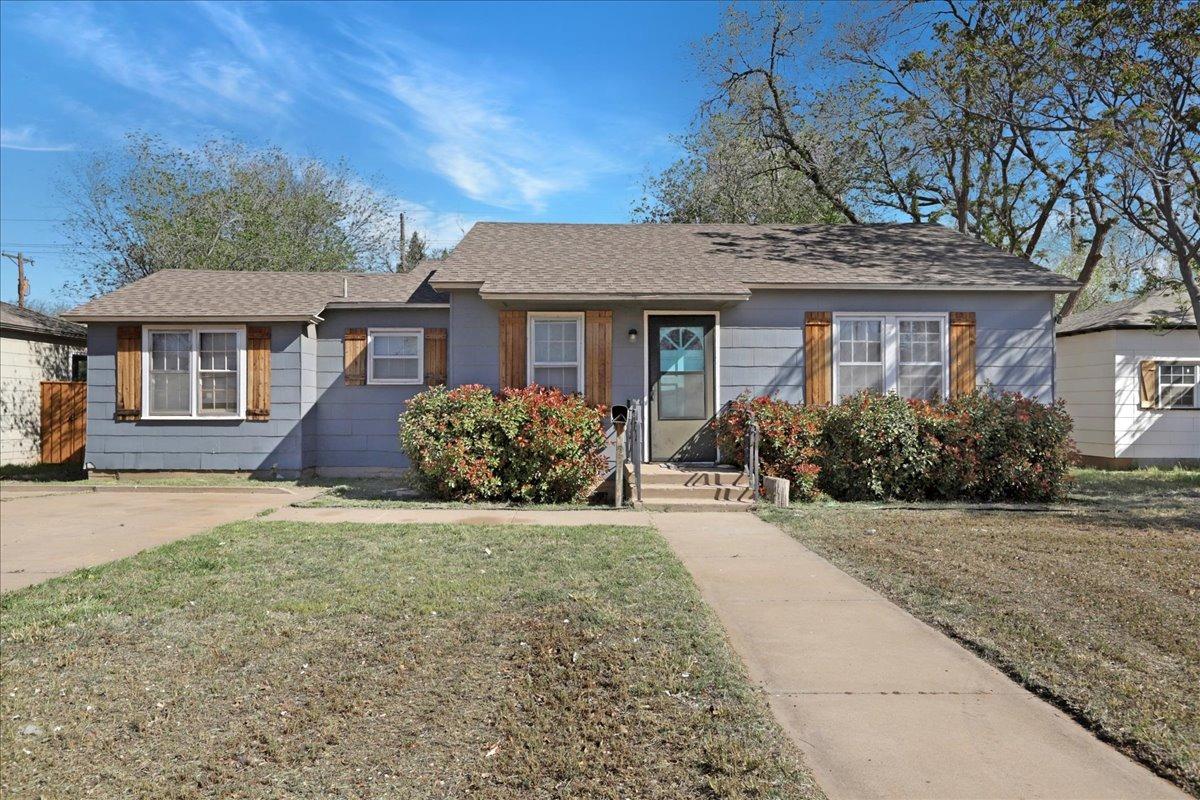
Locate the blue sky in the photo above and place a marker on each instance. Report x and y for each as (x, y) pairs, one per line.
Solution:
(464, 111)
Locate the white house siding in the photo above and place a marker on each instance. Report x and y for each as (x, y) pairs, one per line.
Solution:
(24, 364)
(1084, 379)
(1151, 436)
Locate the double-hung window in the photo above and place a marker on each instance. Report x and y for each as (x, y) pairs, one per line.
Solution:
(1177, 385)
(901, 353)
(395, 355)
(194, 372)
(556, 351)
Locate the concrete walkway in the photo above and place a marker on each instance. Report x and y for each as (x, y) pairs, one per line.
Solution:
(881, 704)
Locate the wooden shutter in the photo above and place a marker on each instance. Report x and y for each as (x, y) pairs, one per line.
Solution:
(1148, 384)
(818, 358)
(962, 353)
(129, 373)
(354, 353)
(435, 356)
(258, 373)
(597, 358)
(512, 349)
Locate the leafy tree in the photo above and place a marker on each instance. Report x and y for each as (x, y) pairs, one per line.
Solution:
(222, 206)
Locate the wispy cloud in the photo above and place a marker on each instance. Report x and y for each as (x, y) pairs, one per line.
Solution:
(495, 132)
(27, 138)
(207, 84)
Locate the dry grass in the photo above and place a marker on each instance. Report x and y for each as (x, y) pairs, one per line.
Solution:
(1095, 605)
(292, 660)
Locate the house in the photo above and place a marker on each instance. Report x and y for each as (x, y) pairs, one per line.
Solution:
(34, 347)
(1130, 375)
(296, 372)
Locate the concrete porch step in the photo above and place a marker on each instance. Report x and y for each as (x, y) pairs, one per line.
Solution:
(679, 492)
(681, 475)
(696, 505)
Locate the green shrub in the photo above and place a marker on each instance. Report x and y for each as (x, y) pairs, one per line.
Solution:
(554, 449)
(529, 445)
(979, 447)
(454, 442)
(871, 449)
(1022, 449)
(788, 438)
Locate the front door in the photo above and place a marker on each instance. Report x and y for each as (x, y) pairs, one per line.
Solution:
(682, 352)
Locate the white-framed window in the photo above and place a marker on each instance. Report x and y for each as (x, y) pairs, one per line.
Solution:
(193, 373)
(1178, 385)
(555, 357)
(395, 355)
(903, 353)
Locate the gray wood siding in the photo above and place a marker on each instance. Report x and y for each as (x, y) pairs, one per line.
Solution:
(276, 444)
(762, 339)
(355, 429)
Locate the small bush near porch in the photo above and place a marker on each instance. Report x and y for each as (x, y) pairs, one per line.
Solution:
(1095, 605)
(529, 445)
(269, 659)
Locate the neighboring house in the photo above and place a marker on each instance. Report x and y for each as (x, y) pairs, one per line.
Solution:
(34, 347)
(294, 372)
(1130, 375)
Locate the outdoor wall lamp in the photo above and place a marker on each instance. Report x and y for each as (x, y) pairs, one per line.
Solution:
(633, 334)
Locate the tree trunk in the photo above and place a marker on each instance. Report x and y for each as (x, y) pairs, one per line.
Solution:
(1095, 253)
(1188, 273)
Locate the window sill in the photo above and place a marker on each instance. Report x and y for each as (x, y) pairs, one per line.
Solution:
(384, 382)
(205, 418)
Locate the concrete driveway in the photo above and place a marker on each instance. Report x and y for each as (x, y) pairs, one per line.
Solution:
(47, 532)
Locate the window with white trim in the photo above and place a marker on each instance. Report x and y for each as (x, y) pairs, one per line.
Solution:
(194, 372)
(902, 353)
(1177, 385)
(556, 351)
(395, 355)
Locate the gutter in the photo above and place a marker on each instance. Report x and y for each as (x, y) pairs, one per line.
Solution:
(908, 287)
(193, 318)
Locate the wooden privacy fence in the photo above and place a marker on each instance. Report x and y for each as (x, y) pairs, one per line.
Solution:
(64, 421)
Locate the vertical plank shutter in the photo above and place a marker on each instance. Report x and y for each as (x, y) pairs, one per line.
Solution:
(258, 373)
(962, 353)
(354, 352)
(1148, 384)
(435, 356)
(818, 358)
(597, 358)
(512, 349)
(129, 372)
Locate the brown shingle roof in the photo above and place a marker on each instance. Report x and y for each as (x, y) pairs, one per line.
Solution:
(1163, 308)
(30, 321)
(570, 259)
(185, 294)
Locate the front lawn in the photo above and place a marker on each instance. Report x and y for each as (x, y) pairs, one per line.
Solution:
(1095, 604)
(280, 659)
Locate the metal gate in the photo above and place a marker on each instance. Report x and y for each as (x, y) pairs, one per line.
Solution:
(64, 421)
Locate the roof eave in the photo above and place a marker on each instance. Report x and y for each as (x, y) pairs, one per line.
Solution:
(720, 297)
(192, 318)
(916, 287)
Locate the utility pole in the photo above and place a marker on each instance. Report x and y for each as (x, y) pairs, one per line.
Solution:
(403, 242)
(22, 284)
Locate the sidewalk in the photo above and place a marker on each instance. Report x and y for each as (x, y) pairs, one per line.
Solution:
(881, 704)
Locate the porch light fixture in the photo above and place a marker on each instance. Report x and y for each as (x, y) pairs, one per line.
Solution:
(633, 334)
